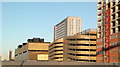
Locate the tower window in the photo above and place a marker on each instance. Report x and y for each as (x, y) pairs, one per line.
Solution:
(119, 29)
(113, 30)
(114, 23)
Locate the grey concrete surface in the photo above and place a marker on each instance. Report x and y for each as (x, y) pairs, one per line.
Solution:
(56, 64)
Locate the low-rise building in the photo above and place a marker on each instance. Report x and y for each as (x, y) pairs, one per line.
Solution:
(35, 49)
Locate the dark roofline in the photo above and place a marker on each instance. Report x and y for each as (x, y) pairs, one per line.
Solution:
(61, 22)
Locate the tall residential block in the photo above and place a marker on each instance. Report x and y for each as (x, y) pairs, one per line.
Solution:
(34, 49)
(81, 47)
(69, 26)
(108, 36)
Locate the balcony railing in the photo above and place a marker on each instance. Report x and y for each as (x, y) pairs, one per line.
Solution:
(99, 19)
(99, 7)
(99, 13)
(99, 2)
(99, 24)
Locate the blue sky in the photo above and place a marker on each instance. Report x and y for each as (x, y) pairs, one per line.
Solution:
(23, 20)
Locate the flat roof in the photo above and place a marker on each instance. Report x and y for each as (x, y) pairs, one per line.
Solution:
(66, 19)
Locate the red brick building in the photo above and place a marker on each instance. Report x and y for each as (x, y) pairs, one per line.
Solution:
(108, 36)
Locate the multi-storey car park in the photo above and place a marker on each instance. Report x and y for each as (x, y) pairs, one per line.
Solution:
(81, 47)
(108, 36)
(56, 50)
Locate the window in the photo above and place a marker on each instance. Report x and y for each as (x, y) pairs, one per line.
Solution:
(114, 23)
(119, 29)
(113, 30)
(119, 50)
(72, 19)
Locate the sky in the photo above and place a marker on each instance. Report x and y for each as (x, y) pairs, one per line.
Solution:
(23, 20)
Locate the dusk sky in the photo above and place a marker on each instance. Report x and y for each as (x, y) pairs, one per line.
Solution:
(23, 20)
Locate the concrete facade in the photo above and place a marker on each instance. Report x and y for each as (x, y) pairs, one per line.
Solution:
(56, 50)
(32, 51)
(56, 64)
(81, 47)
